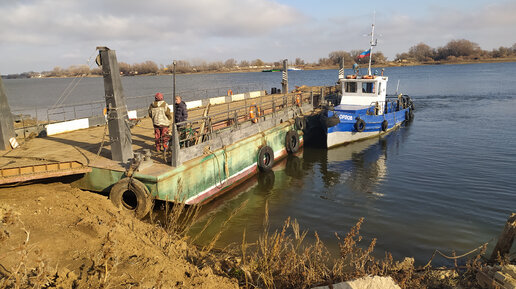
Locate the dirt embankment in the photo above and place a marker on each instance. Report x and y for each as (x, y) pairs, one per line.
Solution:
(58, 236)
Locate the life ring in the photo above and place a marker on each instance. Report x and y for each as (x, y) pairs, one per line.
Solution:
(300, 123)
(298, 99)
(360, 125)
(230, 92)
(253, 113)
(292, 141)
(131, 195)
(385, 125)
(265, 159)
(104, 111)
(14, 144)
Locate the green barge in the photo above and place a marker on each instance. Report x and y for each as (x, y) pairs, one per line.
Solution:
(225, 141)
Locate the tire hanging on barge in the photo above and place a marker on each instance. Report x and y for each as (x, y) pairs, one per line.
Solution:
(265, 159)
(292, 141)
(131, 195)
(300, 123)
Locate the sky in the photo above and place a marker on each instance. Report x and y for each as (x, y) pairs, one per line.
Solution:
(38, 35)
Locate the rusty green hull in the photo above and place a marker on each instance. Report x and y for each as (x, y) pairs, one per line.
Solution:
(205, 177)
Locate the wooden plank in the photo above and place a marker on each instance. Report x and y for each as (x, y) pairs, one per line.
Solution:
(203, 125)
(45, 175)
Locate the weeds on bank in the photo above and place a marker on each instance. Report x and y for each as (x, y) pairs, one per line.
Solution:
(285, 259)
(22, 275)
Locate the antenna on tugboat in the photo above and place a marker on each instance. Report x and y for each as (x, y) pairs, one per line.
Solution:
(397, 86)
(373, 43)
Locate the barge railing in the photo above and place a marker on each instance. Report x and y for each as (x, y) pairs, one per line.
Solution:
(192, 133)
(32, 121)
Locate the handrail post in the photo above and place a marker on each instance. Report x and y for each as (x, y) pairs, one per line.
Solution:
(284, 81)
(174, 147)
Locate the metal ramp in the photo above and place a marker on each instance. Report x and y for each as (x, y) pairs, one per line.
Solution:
(41, 171)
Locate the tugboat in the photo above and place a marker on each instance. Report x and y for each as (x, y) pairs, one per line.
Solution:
(363, 110)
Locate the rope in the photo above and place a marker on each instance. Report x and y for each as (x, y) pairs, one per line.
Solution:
(67, 91)
(456, 257)
(101, 142)
(208, 151)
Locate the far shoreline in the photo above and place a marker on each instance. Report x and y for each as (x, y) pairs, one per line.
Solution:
(303, 67)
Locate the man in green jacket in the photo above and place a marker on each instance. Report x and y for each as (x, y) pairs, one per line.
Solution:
(161, 117)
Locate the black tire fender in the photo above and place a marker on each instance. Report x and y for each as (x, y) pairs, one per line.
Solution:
(265, 159)
(129, 194)
(332, 121)
(292, 141)
(407, 115)
(360, 125)
(300, 123)
(385, 125)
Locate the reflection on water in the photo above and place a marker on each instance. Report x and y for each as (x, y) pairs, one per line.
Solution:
(306, 186)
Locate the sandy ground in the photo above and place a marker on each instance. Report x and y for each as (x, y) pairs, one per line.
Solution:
(61, 236)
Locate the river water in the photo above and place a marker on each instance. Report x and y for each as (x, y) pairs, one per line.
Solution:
(445, 181)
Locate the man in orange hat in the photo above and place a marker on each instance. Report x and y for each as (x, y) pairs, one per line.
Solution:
(161, 117)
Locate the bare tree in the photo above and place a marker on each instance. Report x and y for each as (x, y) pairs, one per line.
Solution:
(324, 61)
(125, 68)
(230, 63)
(57, 71)
(421, 52)
(458, 48)
(244, 63)
(335, 57)
(299, 61)
(257, 62)
(378, 58)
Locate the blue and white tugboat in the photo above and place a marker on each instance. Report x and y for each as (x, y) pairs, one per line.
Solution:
(364, 110)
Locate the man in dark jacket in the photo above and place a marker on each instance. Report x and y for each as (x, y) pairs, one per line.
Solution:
(180, 110)
(180, 114)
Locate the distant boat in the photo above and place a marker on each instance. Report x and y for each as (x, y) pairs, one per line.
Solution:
(363, 110)
(278, 70)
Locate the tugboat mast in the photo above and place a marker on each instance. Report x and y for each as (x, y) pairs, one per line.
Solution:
(373, 44)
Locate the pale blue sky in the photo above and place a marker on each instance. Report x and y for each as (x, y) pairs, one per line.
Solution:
(41, 34)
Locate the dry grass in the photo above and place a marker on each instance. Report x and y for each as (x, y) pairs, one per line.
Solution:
(284, 259)
(22, 275)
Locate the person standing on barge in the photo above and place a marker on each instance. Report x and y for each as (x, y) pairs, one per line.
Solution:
(180, 115)
(161, 118)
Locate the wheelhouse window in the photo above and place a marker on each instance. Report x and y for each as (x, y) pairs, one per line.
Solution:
(368, 87)
(351, 87)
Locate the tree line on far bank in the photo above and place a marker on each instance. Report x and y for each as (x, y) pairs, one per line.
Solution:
(461, 50)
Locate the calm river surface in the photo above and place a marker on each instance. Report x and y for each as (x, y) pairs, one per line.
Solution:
(446, 181)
